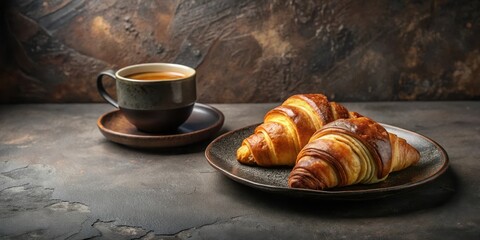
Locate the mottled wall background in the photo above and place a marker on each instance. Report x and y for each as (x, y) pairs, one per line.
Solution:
(245, 51)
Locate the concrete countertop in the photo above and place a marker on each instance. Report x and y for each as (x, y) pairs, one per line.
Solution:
(61, 179)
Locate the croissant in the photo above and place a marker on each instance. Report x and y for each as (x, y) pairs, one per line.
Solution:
(287, 128)
(350, 151)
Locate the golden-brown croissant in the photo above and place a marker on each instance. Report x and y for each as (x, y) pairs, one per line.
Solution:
(350, 151)
(287, 128)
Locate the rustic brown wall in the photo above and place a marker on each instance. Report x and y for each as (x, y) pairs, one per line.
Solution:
(246, 51)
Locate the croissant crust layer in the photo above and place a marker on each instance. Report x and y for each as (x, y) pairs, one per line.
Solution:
(350, 151)
(287, 128)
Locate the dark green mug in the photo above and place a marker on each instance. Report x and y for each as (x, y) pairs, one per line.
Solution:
(155, 97)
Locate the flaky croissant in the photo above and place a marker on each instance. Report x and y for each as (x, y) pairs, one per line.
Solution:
(350, 151)
(287, 128)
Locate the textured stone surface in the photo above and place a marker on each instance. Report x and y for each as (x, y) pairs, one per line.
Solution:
(246, 51)
(61, 179)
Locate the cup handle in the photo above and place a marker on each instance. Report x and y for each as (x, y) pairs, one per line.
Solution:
(101, 88)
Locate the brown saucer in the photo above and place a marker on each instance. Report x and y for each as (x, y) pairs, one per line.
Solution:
(203, 123)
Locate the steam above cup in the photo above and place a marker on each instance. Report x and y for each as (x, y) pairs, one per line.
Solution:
(155, 97)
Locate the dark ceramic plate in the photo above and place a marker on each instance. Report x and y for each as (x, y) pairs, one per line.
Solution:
(202, 124)
(221, 154)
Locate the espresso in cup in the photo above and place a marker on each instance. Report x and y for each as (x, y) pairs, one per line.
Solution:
(155, 97)
(156, 76)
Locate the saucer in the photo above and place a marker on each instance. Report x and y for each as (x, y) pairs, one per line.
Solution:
(202, 123)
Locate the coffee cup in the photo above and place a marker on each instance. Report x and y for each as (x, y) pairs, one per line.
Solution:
(154, 97)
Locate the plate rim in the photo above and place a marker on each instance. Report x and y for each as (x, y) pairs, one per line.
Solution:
(214, 127)
(340, 194)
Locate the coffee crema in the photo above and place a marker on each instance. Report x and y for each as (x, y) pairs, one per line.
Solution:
(156, 76)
